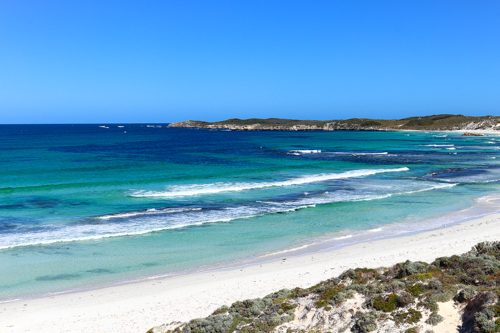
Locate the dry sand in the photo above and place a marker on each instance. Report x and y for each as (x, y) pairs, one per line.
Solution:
(136, 307)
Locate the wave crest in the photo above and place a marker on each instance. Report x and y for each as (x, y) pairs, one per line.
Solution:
(214, 188)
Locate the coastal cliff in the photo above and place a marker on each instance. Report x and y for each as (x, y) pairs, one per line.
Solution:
(428, 123)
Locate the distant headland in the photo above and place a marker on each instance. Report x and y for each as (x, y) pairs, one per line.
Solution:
(442, 122)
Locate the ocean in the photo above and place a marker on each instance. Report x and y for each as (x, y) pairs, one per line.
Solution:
(83, 206)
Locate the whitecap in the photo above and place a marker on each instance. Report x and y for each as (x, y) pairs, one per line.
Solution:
(214, 188)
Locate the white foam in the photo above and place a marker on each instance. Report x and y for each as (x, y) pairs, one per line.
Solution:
(151, 211)
(214, 188)
(135, 227)
(375, 230)
(436, 145)
(384, 153)
(343, 237)
(307, 151)
(356, 153)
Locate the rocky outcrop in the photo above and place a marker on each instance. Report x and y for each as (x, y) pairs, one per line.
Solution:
(472, 134)
(330, 126)
(428, 123)
(188, 124)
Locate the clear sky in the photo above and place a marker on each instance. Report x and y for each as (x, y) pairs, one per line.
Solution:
(163, 61)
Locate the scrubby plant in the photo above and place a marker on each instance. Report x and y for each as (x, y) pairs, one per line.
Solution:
(399, 292)
(445, 295)
(385, 304)
(415, 289)
(360, 288)
(405, 299)
(484, 322)
(435, 284)
(412, 330)
(411, 316)
(465, 295)
(432, 306)
(397, 285)
(365, 322)
(434, 319)
(219, 323)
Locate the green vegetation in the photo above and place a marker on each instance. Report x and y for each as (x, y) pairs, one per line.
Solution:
(405, 296)
(386, 305)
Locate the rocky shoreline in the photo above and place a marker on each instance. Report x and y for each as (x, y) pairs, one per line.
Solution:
(427, 123)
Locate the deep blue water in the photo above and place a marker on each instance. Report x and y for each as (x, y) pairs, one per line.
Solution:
(82, 205)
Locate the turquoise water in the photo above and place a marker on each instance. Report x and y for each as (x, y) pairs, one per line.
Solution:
(82, 205)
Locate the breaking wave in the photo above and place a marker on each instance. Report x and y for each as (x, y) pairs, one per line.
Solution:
(214, 188)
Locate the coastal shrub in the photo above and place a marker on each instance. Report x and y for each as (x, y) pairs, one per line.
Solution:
(412, 316)
(212, 324)
(250, 307)
(420, 277)
(397, 285)
(496, 310)
(435, 284)
(357, 287)
(349, 274)
(444, 296)
(412, 330)
(367, 123)
(497, 325)
(328, 296)
(423, 121)
(432, 306)
(386, 305)
(434, 319)
(486, 247)
(222, 309)
(365, 322)
(465, 295)
(415, 289)
(280, 295)
(362, 275)
(484, 323)
(405, 299)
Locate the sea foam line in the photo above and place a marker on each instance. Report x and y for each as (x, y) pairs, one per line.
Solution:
(214, 188)
(436, 145)
(152, 211)
(144, 225)
(137, 227)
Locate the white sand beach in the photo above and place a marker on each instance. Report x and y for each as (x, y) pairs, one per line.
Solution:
(136, 307)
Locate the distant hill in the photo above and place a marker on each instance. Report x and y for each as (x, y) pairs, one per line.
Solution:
(444, 122)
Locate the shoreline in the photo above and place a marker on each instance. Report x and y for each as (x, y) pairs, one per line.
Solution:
(309, 246)
(136, 306)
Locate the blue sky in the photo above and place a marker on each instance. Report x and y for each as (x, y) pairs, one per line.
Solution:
(163, 61)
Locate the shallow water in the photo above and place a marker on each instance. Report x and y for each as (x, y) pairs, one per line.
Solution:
(82, 205)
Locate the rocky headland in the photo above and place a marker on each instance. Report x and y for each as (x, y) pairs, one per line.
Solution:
(444, 122)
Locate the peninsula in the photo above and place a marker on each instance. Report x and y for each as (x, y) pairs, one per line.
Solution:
(442, 122)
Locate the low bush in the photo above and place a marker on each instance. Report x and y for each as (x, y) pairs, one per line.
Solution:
(405, 299)
(386, 305)
(415, 289)
(412, 316)
(434, 319)
(365, 322)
